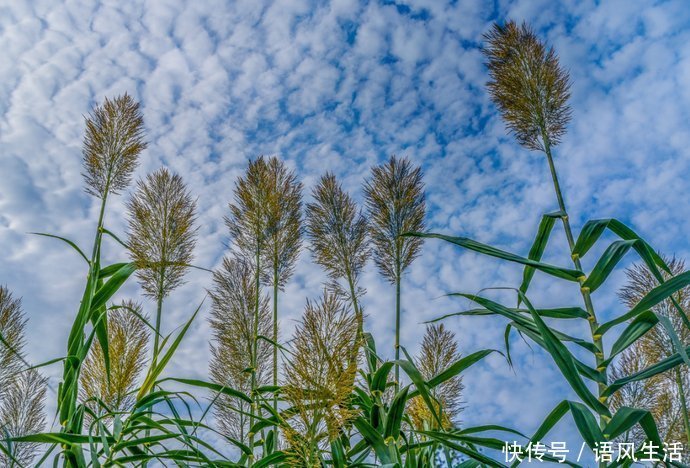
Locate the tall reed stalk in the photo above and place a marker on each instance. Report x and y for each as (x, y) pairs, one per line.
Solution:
(395, 205)
(162, 237)
(248, 225)
(531, 91)
(284, 229)
(113, 141)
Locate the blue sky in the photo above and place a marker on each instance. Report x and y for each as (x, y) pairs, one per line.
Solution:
(340, 86)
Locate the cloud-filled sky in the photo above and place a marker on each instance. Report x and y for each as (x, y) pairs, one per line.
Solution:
(341, 86)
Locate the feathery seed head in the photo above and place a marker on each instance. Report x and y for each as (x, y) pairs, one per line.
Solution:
(248, 222)
(337, 231)
(162, 234)
(439, 351)
(321, 374)
(284, 221)
(112, 144)
(12, 324)
(395, 205)
(233, 298)
(21, 414)
(528, 85)
(22, 391)
(128, 336)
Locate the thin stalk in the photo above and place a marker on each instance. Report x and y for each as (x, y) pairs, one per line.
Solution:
(275, 334)
(255, 339)
(157, 331)
(592, 319)
(397, 323)
(355, 306)
(74, 455)
(684, 406)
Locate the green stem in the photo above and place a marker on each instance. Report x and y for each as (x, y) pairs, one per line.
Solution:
(255, 339)
(592, 319)
(397, 324)
(68, 397)
(683, 403)
(275, 341)
(157, 331)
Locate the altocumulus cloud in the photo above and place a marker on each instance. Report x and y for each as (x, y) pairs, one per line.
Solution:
(341, 86)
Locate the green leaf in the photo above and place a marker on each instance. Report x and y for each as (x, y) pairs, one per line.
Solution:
(420, 385)
(155, 371)
(273, 459)
(378, 383)
(606, 264)
(675, 339)
(374, 439)
(625, 418)
(105, 292)
(651, 371)
(455, 369)
(395, 414)
(224, 389)
(110, 270)
(537, 249)
(652, 298)
(586, 424)
(593, 229)
(559, 272)
(117, 239)
(565, 362)
(67, 241)
(638, 327)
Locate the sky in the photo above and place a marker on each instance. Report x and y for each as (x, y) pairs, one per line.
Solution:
(341, 86)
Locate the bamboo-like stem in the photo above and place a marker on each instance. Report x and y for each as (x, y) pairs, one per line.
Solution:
(275, 344)
(397, 323)
(157, 331)
(69, 425)
(255, 340)
(592, 319)
(683, 403)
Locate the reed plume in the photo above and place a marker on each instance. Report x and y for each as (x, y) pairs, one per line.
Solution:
(234, 295)
(438, 352)
(284, 232)
(528, 85)
(162, 236)
(128, 336)
(320, 377)
(112, 144)
(337, 231)
(22, 390)
(21, 414)
(395, 205)
(12, 325)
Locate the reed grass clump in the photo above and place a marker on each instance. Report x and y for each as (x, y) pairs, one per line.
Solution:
(337, 404)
